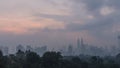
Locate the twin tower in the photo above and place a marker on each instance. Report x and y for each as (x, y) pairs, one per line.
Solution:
(80, 46)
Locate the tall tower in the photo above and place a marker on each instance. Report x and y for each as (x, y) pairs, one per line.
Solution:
(82, 42)
(70, 49)
(82, 46)
(20, 47)
(119, 40)
(118, 43)
(78, 43)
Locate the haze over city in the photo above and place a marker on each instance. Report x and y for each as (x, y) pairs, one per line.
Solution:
(59, 33)
(58, 23)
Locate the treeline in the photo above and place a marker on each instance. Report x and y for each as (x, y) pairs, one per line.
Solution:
(30, 59)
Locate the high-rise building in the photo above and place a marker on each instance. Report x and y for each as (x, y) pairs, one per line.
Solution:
(119, 40)
(82, 42)
(5, 50)
(118, 43)
(29, 48)
(20, 47)
(41, 50)
(80, 45)
(70, 49)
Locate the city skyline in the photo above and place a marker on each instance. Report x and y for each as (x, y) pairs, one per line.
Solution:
(81, 47)
(59, 33)
(59, 23)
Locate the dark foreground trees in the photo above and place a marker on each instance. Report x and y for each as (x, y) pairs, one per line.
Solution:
(52, 59)
(1, 60)
(32, 60)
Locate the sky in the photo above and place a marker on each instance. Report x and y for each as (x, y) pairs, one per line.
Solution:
(57, 23)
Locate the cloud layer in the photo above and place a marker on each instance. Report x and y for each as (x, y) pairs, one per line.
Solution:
(98, 20)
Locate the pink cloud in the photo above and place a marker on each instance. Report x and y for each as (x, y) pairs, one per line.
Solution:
(23, 25)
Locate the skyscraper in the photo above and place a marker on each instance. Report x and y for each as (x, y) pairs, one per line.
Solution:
(119, 40)
(5, 50)
(82, 42)
(29, 48)
(80, 45)
(70, 50)
(20, 47)
(40, 50)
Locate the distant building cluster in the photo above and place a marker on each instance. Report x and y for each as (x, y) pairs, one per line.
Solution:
(38, 50)
(5, 50)
(81, 48)
(86, 49)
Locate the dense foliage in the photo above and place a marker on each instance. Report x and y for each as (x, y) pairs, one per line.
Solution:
(30, 59)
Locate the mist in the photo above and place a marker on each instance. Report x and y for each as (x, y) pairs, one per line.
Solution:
(58, 24)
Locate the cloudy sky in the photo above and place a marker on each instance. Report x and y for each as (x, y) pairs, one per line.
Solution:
(57, 23)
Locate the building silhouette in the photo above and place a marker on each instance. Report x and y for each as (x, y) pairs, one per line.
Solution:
(80, 46)
(20, 47)
(29, 48)
(5, 50)
(118, 43)
(119, 40)
(70, 50)
(40, 50)
(78, 43)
